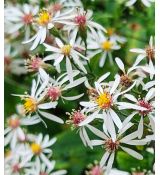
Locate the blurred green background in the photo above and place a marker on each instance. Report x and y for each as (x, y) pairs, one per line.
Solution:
(137, 25)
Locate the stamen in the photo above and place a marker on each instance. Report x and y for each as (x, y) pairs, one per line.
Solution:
(104, 100)
(66, 49)
(27, 18)
(30, 105)
(107, 45)
(44, 18)
(36, 148)
(146, 105)
(125, 80)
(54, 93)
(14, 123)
(111, 146)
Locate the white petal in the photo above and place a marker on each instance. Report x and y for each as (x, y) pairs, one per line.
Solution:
(120, 64)
(131, 98)
(73, 97)
(46, 161)
(110, 163)
(104, 159)
(103, 77)
(97, 142)
(140, 128)
(132, 153)
(129, 137)
(116, 119)
(150, 94)
(69, 69)
(97, 132)
(136, 50)
(51, 117)
(48, 105)
(116, 84)
(88, 104)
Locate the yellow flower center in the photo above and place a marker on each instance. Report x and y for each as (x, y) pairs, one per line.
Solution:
(104, 100)
(107, 45)
(30, 105)
(66, 49)
(44, 18)
(8, 153)
(36, 148)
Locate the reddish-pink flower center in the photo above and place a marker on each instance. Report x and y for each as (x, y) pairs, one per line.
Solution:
(43, 173)
(14, 122)
(7, 60)
(77, 118)
(16, 168)
(96, 170)
(80, 20)
(111, 145)
(27, 18)
(146, 105)
(54, 93)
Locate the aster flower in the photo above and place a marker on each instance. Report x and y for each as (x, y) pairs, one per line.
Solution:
(147, 3)
(103, 99)
(99, 43)
(35, 103)
(41, 169)
(114, 36)
(11, 64)
(67, 52)
(135, 104)
(75, 120)
(82, 21)
(57, 87)
(45, 22)
(148, 52)
(132, 74)
(39, 150)
(13, 132)
(16, 165)
(19, 17)
(112, 141)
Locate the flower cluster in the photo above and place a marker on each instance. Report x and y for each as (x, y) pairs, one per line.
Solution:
(116, 112)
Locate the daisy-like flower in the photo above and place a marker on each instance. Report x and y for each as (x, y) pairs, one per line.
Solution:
(70, 3)
(46, 21)
(16, 165)
(148, 52)
(82, 21)
(111, 142)
(99, 43)
(11, 64)
(41, 169)
(13, 132)
(18, 17)
(103, 99)
(147, 3)
(132, 74)
(75, 120)
(147, 102)
(69, 53)
(57, 87)
(39, 149)
(35, 103)
(114, 36)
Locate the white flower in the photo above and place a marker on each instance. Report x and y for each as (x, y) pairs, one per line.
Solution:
(147, 3)
(57, 87)
(20, 16)
(99, 43)
(45, 22)
(35, 103)
(114, 36)
(111, 142)
(117, 172)
(11, 64)
(16, 165)
(82, 21)
(103, 100)
(132, 74)
(39, 149)
(13, 132)
(75, 120)
(70, 3)
(41, 168)
(142, 106)
(148, 52)
(67, 52)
